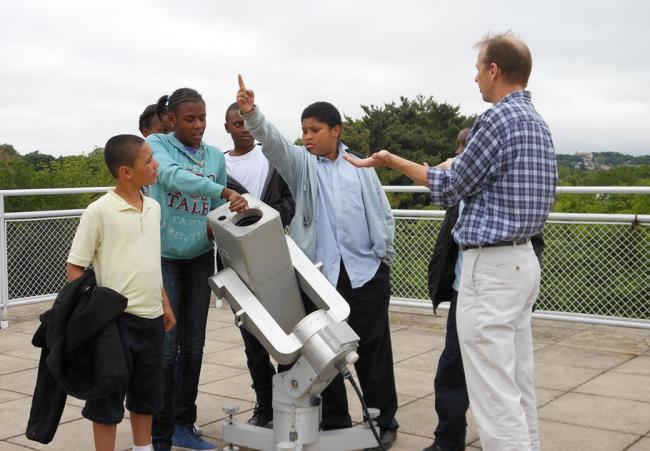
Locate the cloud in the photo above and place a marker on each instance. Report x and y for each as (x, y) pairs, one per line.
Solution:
(78, 72)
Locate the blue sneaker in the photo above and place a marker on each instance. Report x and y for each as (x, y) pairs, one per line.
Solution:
(186, 437)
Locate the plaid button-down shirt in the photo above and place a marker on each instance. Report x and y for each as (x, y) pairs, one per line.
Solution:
(506, 176)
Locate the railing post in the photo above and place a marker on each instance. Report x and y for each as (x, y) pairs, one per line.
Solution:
(4, 268)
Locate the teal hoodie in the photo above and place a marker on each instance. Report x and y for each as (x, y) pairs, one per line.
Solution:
(188, 188)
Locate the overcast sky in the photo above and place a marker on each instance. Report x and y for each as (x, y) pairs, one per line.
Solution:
(73, 73)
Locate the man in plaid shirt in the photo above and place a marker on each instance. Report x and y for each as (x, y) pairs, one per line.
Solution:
(506, 178)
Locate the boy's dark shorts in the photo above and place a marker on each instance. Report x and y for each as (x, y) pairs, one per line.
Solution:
(143, 341)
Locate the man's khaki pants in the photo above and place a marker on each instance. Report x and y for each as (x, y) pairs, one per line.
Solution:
(498, 288)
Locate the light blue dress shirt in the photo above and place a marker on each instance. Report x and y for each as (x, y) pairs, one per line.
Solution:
(341, 225)
(299, 169)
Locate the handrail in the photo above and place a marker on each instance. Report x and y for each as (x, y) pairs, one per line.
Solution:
(49, 191)
(43, 214)
(560, 189)
(400, 213)
(641, 219)
(605, 217)
(387, 188)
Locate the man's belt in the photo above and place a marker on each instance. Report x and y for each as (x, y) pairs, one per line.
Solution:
(518, 242)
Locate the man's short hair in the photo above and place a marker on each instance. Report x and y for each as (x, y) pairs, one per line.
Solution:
(510, 54)
(121, 150)
(323, 112)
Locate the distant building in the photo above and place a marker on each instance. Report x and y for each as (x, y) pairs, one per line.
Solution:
(587, 160)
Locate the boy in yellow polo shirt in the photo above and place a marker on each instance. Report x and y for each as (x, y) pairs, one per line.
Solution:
(119, 235)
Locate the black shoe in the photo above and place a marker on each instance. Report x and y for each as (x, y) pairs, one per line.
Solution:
(261, 416)
(436, 447)
(387, 438)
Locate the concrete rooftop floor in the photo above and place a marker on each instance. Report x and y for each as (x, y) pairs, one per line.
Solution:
(593, 384)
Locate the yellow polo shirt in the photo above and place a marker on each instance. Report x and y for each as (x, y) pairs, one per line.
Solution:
(123, 246)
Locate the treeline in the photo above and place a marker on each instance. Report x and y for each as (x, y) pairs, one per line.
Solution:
(604, 203)
(603, 159)
(37, 170)
(420, 129)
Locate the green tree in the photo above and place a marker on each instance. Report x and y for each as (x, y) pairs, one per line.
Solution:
(7, 152)
(355, 135)
(420, 130)
(39, 161)
(38, 170)
(624, 175)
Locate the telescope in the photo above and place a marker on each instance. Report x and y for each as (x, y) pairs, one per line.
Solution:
(266, 280)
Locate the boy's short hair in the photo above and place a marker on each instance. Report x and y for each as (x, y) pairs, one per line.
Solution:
(122, 150)
(232, 107)
(323, 112)
(146, 116)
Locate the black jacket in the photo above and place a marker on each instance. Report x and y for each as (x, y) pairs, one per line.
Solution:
(441, 273)
(82, 353)
(276, 194)
(443, 261)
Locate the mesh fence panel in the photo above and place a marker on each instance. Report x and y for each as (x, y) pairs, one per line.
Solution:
(37, 250)
(414, 241)
(595, 268)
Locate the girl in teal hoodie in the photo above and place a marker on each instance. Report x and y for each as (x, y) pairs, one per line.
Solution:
(191, 182)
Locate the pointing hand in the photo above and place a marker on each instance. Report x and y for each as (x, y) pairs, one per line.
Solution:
(245, 97)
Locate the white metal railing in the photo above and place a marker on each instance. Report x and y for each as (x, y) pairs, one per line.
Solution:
(560, 189)
(597, 266)
(596, 269)
(5, 299)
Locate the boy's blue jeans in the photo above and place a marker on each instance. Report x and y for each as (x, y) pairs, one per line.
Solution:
(186, 282)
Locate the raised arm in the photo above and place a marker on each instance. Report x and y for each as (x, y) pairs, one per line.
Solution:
(282, 154)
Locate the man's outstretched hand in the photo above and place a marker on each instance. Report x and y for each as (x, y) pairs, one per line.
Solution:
(379, 159)
(384, 159)
(445, 165)
(245, 97)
